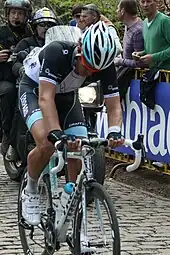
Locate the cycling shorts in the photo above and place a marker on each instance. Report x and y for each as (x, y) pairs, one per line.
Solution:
(69, 109)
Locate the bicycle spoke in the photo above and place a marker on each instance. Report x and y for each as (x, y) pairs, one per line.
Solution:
(99, 214)
(101, 223)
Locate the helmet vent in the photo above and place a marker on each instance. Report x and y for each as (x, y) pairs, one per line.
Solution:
(102, 40)
(97, 54)
(111, 41)
(87, 51)
(98, 45)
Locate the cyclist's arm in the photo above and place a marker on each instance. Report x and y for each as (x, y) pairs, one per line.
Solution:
(47, 87)
(111, 95)
(47, 105)
(114, 112)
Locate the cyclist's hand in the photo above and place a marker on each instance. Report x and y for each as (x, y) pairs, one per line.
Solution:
(54, 136)
(115, 139)
(73, 143)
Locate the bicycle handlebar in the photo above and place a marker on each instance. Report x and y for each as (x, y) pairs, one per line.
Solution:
(137, 146)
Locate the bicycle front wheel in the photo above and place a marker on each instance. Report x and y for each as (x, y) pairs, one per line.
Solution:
(102, 225)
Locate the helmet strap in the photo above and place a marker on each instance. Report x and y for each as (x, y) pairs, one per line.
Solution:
(78, 51)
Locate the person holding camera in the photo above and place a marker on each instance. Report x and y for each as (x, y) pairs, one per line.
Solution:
(17, 13)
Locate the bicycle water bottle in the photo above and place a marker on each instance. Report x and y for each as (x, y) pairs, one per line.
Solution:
(68, 189)
(53, 176)
(62, 200)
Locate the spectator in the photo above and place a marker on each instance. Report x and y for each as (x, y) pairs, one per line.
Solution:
(133, 38)
(156, 47)
(17, 13)
(90, 15)
(156, 32)
(76, 12)
(42, 19)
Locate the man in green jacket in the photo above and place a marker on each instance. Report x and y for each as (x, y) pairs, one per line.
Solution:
(156, 33)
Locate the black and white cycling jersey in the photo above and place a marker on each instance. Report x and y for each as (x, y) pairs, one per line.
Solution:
(55, 63)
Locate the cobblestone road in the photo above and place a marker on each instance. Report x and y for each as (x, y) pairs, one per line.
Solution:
(144, 219)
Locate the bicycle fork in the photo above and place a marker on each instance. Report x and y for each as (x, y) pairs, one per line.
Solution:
(84, 217)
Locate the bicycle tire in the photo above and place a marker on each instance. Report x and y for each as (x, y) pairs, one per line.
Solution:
(22, 230)
(98, 161)
(97, 191)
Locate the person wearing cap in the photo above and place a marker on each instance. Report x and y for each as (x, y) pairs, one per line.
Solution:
(17, 13)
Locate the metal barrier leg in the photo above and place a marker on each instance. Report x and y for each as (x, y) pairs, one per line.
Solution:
(116, 167)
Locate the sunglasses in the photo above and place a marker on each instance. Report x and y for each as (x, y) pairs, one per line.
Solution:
(87, 66)
(46, 24)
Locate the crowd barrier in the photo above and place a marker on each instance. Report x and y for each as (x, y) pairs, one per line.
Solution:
(139, 119)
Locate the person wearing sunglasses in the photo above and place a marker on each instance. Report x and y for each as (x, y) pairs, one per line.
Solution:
(58, 70)
(42, 19)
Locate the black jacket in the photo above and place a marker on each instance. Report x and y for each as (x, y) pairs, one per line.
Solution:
(23, 48)
(9, 37)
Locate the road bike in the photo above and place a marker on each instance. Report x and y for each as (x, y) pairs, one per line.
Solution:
(88, 223)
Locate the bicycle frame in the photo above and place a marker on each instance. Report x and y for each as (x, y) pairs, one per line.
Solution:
(61, 226)
(85, 174)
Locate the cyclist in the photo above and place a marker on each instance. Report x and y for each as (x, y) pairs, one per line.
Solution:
(42, 20)
(58, 70)
(17, 13)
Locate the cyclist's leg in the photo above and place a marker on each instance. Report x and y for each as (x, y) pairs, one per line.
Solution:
(39, 156)
(73, 124)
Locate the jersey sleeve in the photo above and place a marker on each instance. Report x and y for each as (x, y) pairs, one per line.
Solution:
(108, 81)
(51, 59)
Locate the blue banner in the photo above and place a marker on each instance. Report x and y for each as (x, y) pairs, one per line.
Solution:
(139, 119)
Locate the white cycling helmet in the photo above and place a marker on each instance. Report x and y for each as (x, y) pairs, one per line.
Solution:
(98, 46)
(44, 15)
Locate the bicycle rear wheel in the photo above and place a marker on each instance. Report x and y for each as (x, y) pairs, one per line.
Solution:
(33, 238)
(102, 225)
